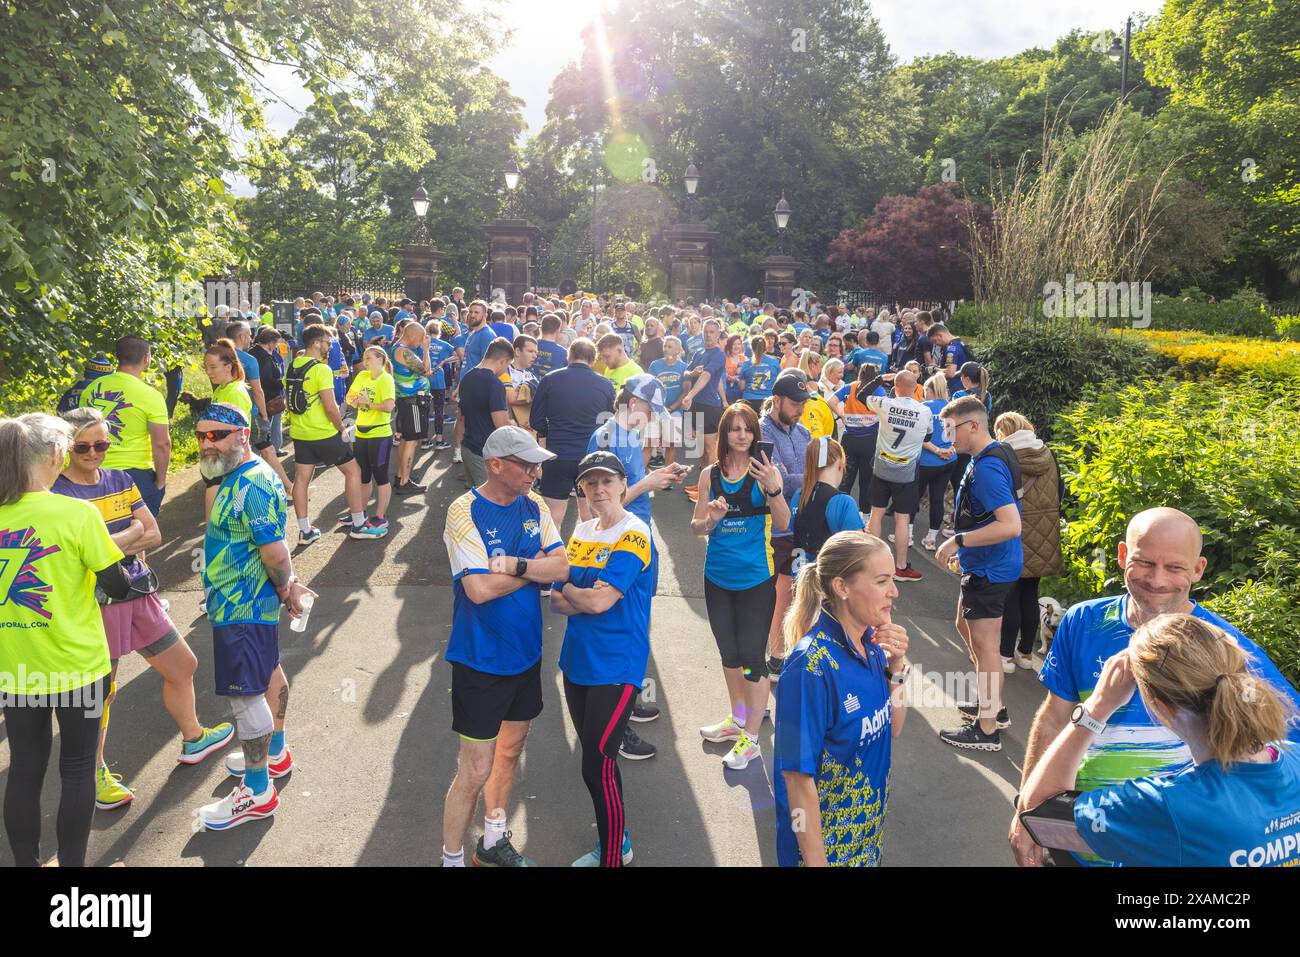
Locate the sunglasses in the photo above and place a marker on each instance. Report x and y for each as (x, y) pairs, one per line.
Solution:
(81, 448)
(213, 435)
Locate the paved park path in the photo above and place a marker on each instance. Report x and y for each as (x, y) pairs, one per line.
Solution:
(370, 714)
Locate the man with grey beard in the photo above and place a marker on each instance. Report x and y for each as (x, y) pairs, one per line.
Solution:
(247, 576)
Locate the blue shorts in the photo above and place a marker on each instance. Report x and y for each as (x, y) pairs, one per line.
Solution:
(150, 492)
(243, 657)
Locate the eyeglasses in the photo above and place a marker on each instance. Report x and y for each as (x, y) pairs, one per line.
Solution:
(213, 435)
(81, 448)
(529, 467)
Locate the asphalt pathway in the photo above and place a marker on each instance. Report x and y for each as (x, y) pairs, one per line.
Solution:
(370, 715)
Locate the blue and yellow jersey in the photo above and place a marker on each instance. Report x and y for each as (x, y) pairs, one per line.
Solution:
(833, 723)
(502, 636)
(739, 553)
(248, 512)
(612, 647)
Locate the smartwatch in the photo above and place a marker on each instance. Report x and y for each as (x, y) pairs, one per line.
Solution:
(899, 677)
(960, 539)
(1081, 717)
(521, 567)
(773, 494)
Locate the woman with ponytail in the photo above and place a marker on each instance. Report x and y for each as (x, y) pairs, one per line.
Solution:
(1234, 807)
(373, 394)
(975, 381)
(838, 706)
(820, 509)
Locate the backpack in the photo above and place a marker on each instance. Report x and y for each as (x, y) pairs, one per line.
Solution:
(296, 398)
(967, 518)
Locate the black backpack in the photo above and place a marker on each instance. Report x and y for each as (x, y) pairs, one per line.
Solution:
(967, 518)
(296, 398)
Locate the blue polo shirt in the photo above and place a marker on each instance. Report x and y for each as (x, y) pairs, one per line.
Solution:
(502, 636)
(567, 408)
(990, 488)
(833, 723)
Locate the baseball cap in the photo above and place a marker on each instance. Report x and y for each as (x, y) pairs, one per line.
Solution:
(376, 312)
(649, 389)
(791, 384)
(512, 440)
(600, 461)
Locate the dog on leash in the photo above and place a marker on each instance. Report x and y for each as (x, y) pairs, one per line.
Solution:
(1050, 614)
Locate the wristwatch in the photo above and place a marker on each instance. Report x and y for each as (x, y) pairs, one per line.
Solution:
(773, 494)
(1081, 717)
(521, 567)
(899, 677)
(960, 539)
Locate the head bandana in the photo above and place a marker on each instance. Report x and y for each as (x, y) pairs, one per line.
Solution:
(226, 414)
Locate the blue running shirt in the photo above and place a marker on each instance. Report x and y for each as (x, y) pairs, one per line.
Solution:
(248, 512)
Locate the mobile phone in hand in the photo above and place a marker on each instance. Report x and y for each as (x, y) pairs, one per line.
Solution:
(764, 449)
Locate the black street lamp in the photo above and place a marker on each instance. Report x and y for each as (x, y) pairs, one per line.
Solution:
(782, 215)
(420, 203)
(692, 180)
(512, 181)
(1118, 53)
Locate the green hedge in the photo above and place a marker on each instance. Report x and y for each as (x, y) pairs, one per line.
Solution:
(1229, 457)
(1039, 371)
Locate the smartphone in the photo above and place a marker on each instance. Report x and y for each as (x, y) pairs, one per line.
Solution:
(1051, 824)
(764, 449)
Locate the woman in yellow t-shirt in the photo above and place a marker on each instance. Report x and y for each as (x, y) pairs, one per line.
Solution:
(373, 394)
(54, 657)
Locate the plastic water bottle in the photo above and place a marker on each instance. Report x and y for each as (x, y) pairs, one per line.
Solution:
(300, 623)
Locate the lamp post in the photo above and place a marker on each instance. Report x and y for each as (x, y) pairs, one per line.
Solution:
(692, 180)
(1118, 53)
(419, 258)
(512, 183)
(420, 203)
(782, 216)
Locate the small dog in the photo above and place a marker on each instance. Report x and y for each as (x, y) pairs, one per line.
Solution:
(1050, 614)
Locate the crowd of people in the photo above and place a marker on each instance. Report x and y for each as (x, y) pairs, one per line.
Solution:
(811, 445)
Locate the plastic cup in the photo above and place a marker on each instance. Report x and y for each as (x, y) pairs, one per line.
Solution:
(300, 623)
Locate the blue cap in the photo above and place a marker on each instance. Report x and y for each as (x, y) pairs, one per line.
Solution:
(649, 389)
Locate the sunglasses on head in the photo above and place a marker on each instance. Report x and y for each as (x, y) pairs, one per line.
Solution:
(213, 435)
(81, 448)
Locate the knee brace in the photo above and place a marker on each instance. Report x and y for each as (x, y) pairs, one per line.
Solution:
(252, 717)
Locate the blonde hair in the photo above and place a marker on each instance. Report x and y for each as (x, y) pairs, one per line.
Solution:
(843, 555)
(937, 386)
(83, 418)
(1009, 422)
(806, 360)
(834, 456)
(376, 351)
(1191, 665)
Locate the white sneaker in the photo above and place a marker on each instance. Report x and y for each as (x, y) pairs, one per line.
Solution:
(746, 750)
(455, 457)
(238, 807)
(277, 765)
(930, 542)
(723, 731)
(1025, 661)
(1009, 665)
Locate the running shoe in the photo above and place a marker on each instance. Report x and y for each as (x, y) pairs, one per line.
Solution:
(455, 458)
(592, 858)
(278, 766)
(306, 538)
(441, 445)
(930, 542)
(210, 740)
(909, 539)
(1009, 666)
(110, 792)
(722, 732)
(969, 711)
(1025, 661)
(745, 750)
(908, 574)
(634, 749)
(502, 854)
(642, 712)
(426, 445)
(240, 806)
(345, 517)
(408, 488)
(970, 737)
(368, 531)
(693, 494)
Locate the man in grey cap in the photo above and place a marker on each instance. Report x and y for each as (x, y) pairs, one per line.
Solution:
(789, 438)
(503, 549)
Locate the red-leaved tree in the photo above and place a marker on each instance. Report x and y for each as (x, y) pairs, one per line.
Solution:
(915, 247)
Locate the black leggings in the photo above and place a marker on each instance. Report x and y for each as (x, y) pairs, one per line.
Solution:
(439, 408)
(1020, 616)
(740, 621)
(859, 451)
(600, 714)
(372, 456)
(31, 735)
(933, 480)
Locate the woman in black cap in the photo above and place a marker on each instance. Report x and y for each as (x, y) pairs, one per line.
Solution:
(606, 642)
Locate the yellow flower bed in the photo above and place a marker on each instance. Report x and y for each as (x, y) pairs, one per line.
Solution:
(1201, 354)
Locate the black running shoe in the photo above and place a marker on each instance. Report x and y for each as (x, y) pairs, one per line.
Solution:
(972, 738)
(503, 854)
(634, 749)
(970, 711)
(643, 712)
